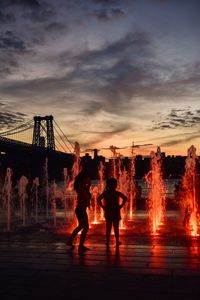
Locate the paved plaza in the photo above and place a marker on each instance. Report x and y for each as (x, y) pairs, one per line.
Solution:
(36, 264)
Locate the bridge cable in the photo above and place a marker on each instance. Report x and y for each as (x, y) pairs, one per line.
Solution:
(72, 145)
(9, 132)
(61, 136)
(19, 131)
(62, 139)
(44, 129)
(60, 145)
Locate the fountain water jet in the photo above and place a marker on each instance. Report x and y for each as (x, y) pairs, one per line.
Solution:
(189, 184)
(64, 192)
(113, 161)
(76, 168)
(157, 195)
(23, 182)
(122, 184)
(101, 170)
(101, 185)
(36, 184)
(95, 194)
(53, 201)
(132, 192)
(7, 189)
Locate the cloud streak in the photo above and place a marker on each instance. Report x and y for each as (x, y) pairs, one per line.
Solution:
(179, 118)
(188, 139)
(10, 120)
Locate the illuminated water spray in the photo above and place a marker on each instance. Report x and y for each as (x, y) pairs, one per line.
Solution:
(101, 185)
(122, 184)
(101, 170)
(76, 168)
(95, 194)
(123, 176)
(23, 182)
(65, 192)
(53, 190)
(189, 184)
(113, 161)
(7, 190)
(132, 192)
(35, 186)
(157, 193)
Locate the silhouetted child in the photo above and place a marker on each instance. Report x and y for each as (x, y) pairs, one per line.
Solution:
(112, 206)
(82, 187)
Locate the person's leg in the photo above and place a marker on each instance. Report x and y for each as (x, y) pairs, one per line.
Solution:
(74, 234)
(78, 228)
(85, 226)
(108, 231)
(116, 231)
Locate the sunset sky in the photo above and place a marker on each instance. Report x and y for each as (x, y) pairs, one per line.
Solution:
(109, 71)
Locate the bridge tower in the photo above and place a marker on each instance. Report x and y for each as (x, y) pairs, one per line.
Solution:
(43, 133)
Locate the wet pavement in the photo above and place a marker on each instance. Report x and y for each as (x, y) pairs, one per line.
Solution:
(35, 263)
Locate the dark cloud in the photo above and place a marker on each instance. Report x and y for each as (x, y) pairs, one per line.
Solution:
(9, 41)
(104, 14)
(92, 107)
(161, 1)
(56, 27)
(180, 141)
(116, 129)
(109, 76)
(174, 88)
(32, 10)
(23, 3)
(113, 72)
(11, 119)
(41, 15)
(26, 25)
(106, 2)
(12, 48)
(117, 12)
(133, 74)
(6, 18)
(2, 104)
(131, 46)
(9, 65)
(179, 118)
(177, 136)
(93, 137)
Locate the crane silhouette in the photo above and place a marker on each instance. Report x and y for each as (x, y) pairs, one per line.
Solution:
(114, 149)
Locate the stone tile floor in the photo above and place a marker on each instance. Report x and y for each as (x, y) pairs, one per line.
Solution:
(36, 264)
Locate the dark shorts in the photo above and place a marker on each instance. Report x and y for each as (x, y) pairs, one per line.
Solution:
(81, 213)
(112, 215)
(113, 219)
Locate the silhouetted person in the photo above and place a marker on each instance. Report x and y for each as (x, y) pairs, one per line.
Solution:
(112, 206)
(82, 187)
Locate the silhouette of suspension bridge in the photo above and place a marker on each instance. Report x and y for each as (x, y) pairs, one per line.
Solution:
(39, 134)
(30, 143)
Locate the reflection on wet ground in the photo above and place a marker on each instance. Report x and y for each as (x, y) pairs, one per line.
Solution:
(37, 264)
